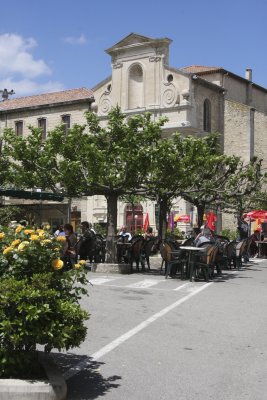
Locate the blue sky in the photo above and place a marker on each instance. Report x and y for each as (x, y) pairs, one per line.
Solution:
(59, 44)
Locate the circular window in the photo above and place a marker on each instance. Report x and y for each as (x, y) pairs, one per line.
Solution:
(170, 78)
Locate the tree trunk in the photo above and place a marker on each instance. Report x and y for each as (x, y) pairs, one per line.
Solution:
(133, 220)
(200, 214)
(112, 213)
(163, 210)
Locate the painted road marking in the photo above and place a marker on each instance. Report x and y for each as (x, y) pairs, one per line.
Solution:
(182, 286)
(121, 339)
(101, 281)
(144, 284)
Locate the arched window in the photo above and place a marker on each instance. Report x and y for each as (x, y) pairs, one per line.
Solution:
(135, 87)
(207, 116)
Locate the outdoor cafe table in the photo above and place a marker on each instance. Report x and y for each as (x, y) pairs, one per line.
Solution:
(192, 251)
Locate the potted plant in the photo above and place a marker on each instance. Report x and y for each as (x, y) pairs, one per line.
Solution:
(39, 300)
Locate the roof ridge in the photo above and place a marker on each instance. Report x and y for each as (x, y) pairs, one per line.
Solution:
(47, 93)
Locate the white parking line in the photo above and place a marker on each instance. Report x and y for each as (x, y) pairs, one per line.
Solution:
(101, 281)
(121, 339)
(182, 286)
(146, 283)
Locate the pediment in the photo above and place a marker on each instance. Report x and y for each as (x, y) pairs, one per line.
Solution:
(134, 39)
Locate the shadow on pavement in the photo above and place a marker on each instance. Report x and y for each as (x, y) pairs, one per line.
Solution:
(87, 383)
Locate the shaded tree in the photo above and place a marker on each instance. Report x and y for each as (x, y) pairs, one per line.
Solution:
(111, 161)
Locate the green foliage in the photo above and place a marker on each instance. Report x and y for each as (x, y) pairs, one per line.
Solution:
(39, 299)
(177, 233)
(101, 230)
(8, 214)
(230, 234)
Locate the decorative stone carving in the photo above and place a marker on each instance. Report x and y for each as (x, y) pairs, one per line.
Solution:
(104, 104)
(117, 65)
(154, 59)
(169, 96)
(94, 108)
(185, 97)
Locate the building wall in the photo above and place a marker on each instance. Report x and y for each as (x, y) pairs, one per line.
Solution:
(201, 93)
(53, 116)
(260, 135)
(237, 130)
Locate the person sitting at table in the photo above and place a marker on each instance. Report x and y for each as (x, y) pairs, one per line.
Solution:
(205, 236)
(255, 237)
(123, 252)
(126, 236)
(149, 233)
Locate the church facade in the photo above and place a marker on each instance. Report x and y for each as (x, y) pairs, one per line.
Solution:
(195, 99)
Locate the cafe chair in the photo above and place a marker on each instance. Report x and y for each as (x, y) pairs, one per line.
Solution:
(173, 261)
(240, 251)
(204, 264)
(228, 254)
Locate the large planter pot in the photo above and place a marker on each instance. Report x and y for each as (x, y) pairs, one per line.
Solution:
(51, 388)
(112, 268)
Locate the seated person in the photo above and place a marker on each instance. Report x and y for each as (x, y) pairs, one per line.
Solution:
(126, 236)
(255, 237)
(69, 251)
(86, 244)
(205, 236)
(123, 252)
(149, 233)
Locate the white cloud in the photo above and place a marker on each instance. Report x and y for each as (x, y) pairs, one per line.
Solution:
(16, 57)
(26, 87)
(76, 40)
(20, 70)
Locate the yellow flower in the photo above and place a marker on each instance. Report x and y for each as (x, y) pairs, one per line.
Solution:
(29, 231)
(82, 262)
(22, 245)
(15, 242)
(47, 227)
(57, 264)
(34, 237)
(77, 266)
(61, 239)
(18, 229)
(2, 235)
(47, 241)
(8, 250)
(41, 234)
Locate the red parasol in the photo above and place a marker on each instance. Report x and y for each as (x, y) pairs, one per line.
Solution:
(146, 223)
(256, 214)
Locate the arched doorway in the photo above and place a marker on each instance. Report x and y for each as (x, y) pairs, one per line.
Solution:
(134, 218)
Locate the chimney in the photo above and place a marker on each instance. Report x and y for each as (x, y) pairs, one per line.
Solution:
(249, 74)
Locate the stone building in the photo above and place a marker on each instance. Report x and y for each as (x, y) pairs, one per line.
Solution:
(195, 99)
(47, 111)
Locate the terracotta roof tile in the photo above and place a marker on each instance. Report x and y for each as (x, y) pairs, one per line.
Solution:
(198, 69)
(47, 99)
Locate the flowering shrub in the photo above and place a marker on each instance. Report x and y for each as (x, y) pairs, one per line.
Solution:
(39, 299)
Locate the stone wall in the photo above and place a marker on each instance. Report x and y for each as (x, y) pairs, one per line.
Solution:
(53, 116)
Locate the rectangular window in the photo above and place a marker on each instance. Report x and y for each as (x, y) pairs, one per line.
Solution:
(66, 120)
(19, 128)
(42, 125)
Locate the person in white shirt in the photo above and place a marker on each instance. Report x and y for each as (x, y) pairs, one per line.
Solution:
(126, 235)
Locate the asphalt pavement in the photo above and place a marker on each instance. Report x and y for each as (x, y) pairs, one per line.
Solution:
(168, 339)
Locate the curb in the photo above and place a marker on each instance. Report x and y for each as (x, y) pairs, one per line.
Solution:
(53, 388)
